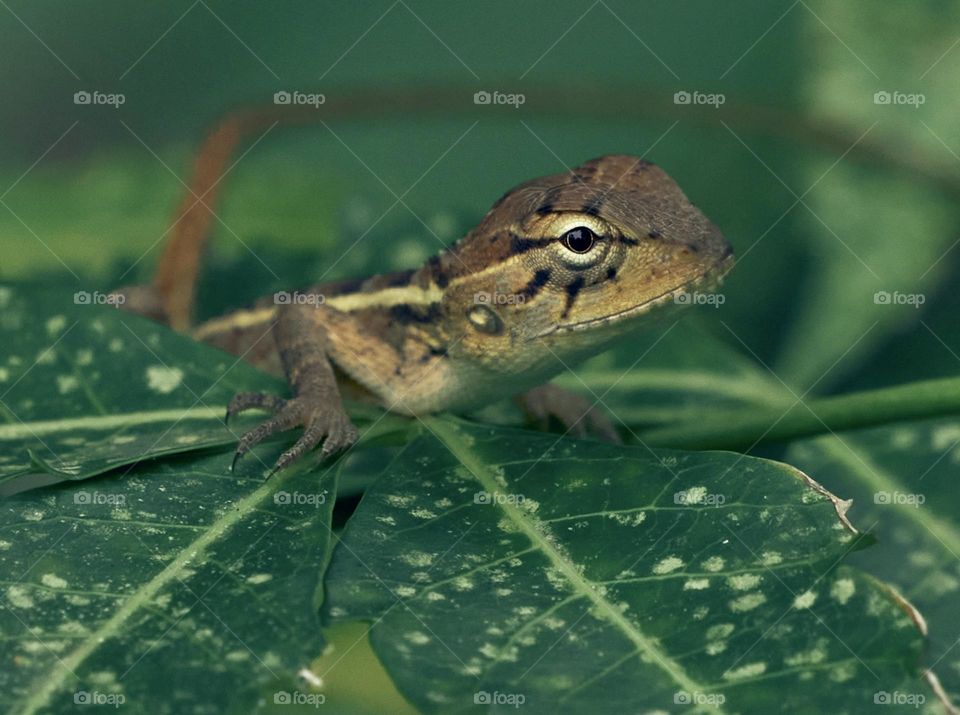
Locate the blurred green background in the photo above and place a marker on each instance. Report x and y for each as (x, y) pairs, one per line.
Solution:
(827, 196)
(102, 196)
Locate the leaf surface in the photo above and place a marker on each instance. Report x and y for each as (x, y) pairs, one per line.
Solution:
(180, 588)
(501, 564)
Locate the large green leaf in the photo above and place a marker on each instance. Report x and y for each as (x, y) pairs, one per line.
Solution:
(869, 231)
(179, 588)
(507, 565)
(904, 483)
(85, 388)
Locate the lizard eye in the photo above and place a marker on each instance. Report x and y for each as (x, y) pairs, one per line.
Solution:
(579, 240)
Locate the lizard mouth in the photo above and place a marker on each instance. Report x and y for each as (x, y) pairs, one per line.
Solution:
(709, 281)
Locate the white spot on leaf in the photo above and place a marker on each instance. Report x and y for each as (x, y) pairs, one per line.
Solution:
(418, 558)
(670, 563)
(743, 581)
(163, 379)
(747, 602)
(53, 581)
(19, 597)
(67, 383)
(721, 630)
(751, 670)
(693, 495)
(714, 563)
(842, 590)
(55, 324)
(770, 558)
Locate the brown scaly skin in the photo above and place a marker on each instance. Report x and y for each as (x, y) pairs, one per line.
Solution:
(559, 268)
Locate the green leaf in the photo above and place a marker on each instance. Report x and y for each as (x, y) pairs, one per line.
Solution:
(87, 388)
(673, 372)
(180, 588)
(570, 573)
(854, 220)
(904, 483)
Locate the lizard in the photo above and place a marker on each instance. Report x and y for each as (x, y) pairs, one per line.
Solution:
(559, 269)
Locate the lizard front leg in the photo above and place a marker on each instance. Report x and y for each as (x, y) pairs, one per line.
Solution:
(316, 404)
(577, 415)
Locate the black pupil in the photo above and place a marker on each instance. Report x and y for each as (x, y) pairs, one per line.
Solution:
(579, 240)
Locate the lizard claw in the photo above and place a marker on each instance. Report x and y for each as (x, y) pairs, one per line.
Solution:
(252, 400)
(577, 415)
(327, 424)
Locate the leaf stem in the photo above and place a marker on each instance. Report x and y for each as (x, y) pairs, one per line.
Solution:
(745, 428)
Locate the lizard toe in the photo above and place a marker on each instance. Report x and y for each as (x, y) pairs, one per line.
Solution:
(332, 427)
(579, 417)
(253, 400)
(341, 435)
(576, 426)
(310, 438)
(334, 430)
(603, 426)
(283, 420)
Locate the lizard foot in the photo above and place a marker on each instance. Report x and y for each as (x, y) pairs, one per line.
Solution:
(321, 422)
(253, 400)
(573, 411)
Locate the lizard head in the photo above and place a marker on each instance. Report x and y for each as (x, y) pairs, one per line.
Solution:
(569, 262)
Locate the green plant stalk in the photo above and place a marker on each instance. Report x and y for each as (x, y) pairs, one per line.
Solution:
(741, 429)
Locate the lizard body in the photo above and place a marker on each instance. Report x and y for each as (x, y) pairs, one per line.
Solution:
(557, 270)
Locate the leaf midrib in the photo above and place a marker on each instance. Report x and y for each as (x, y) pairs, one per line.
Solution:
(22, 430)
(447, 432)
(189, 554)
